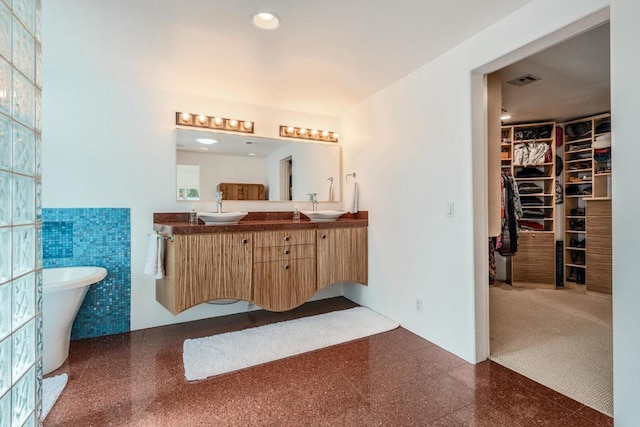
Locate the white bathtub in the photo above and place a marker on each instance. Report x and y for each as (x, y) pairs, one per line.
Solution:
(63, 292)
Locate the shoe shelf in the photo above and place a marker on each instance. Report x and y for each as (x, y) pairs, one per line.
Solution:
(581, 177)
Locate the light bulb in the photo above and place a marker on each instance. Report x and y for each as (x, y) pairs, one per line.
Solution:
(302, 132)
(289, 130)
(247, 125)
(266, 21)
(325, 134)
(218, 121)
(233, 123)
(336, 135)
(202, 118)
(185, 117)
(314, 133)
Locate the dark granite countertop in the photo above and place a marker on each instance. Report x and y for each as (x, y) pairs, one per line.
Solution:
(178, 223)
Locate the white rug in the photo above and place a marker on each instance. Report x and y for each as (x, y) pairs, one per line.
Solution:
(51, 389)
(205, 357)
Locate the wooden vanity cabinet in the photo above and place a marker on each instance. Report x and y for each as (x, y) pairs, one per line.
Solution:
(203, 267)
(342, 255)
(276, 270)
(284, 268)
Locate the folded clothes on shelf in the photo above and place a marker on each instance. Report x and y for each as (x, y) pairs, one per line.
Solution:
(603, 125)
(529, 172)
(531, 201)
(577, 243)
(602, 141)
(529, 188)
(578, 130)
(530, 225)
(533, 213)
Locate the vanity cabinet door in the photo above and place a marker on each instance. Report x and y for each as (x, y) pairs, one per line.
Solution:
(342, 255)
(203, 267)
(283, 285)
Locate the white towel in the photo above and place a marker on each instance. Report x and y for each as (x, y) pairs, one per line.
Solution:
(351, 198)
(155, 254)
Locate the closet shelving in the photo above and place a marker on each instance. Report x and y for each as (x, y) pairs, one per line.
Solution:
(585, 178)
(534, 172)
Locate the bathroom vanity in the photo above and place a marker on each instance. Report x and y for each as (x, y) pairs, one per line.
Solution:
(266, 258)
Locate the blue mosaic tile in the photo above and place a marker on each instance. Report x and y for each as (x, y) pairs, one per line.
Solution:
(99, 237)
(57, 239)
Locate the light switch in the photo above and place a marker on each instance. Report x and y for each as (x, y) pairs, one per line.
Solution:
(449, 210)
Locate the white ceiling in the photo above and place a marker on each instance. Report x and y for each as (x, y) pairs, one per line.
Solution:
(326, 56)
(575, 81)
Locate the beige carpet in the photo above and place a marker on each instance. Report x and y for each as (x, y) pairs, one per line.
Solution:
(559, 338)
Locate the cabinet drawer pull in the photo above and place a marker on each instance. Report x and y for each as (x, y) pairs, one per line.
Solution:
(286, 266)
(323, 236)
(245, 241)
(286, 238)
(286, 251)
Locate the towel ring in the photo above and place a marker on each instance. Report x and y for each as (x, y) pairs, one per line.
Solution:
(346, 178)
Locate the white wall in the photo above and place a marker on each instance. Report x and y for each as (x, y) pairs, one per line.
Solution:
(625, 107)
(411, 145)
(109, 145)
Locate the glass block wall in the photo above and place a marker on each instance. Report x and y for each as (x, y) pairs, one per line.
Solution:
(20, 213)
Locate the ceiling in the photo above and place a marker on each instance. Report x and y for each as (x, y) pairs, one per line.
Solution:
(326, 56)
(574, 81)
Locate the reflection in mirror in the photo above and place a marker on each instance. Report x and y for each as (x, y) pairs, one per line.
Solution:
(254, 168)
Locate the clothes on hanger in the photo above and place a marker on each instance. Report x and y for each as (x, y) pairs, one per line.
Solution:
(511, 212)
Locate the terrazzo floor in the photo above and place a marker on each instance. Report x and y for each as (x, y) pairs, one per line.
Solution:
(391, 379)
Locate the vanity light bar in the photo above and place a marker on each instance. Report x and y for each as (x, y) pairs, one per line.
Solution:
(214, 122)
(304, 133)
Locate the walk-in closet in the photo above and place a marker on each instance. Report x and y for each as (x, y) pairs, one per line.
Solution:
(550, 259)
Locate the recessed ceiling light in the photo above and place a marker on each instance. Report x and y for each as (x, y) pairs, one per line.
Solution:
(207, 141)
(204, 148)
(252, 154)
(505, 117)
(266, 21)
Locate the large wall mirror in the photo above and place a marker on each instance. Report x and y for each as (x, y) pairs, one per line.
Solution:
(245, 164)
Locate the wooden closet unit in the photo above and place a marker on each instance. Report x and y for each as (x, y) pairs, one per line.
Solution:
(599, 259)
(533, 265)
(585, 179)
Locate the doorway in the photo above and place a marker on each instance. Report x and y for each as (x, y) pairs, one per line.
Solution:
(556, 112)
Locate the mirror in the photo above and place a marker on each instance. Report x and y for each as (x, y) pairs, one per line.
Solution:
(254, 168)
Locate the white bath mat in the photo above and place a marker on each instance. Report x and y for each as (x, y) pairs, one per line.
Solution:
(51, 389)
(205, 357)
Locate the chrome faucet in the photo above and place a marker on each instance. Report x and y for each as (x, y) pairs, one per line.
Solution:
(219, 201)
(313, 198)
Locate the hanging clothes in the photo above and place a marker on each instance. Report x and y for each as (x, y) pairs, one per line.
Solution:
(511, 212)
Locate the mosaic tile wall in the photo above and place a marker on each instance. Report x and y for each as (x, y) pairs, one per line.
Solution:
(20, 214)
(98, 237)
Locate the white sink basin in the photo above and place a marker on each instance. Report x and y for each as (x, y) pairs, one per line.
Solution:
(323, 216)
(221, 218)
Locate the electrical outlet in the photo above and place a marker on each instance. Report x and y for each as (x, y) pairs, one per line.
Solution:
(419, 304)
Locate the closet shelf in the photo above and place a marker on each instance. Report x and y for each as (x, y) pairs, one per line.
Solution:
(576, 265)
(571, 248)
(578, 171)
(537, 231)
(575, 141)
(528, 141)
(583, 196)
(583, 150)
(603, 174)
(579, 182)
(532, 166)
(588, 159)
(537, 178)
(575, 231)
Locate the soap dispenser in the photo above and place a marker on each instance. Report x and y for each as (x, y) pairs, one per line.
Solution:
(296, 214)
(193, 215)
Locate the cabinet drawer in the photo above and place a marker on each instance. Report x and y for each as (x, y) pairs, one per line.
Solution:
(287, 252)
(284, 237)
(283, 285)
(599, 208)
(535, 260)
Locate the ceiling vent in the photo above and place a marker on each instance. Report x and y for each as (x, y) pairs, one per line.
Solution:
(524, 80)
